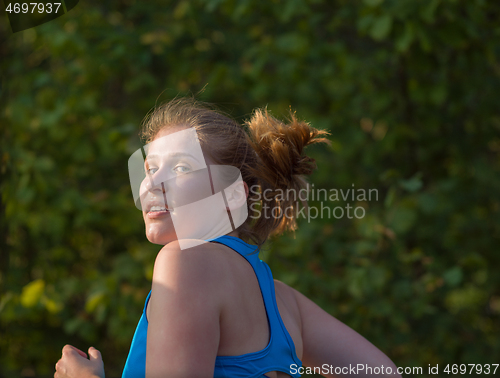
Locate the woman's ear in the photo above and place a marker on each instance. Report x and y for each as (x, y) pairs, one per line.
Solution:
(246, 189)
(236, 195)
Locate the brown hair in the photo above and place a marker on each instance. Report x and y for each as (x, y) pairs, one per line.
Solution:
(269, 156)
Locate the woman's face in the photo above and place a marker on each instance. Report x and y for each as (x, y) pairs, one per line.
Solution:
(174, 152)
(184, 195)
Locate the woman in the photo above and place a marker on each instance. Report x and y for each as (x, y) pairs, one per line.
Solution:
(214, 309)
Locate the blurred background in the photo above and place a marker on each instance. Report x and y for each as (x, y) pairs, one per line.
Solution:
(408, 89)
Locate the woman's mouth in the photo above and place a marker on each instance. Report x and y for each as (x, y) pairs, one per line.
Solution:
(157, 211)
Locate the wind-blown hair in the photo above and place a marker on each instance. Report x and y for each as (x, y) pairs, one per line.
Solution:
(268, 152)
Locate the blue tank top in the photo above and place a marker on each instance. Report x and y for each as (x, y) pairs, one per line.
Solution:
(278, 355)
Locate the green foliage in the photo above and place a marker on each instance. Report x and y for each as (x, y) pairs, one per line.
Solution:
(408, 90)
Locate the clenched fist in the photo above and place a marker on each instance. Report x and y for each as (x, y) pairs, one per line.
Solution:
(74, 364)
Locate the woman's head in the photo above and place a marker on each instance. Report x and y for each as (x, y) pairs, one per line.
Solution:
(176, 176)
(269, 155)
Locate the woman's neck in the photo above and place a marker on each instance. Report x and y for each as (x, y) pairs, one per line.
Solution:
(234, 233)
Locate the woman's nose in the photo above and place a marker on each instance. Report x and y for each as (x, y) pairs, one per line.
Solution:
(157, 181)
(152, 183)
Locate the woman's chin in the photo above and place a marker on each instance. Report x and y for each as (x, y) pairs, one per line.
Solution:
(160, 231)
(160, 238)
(160, 241)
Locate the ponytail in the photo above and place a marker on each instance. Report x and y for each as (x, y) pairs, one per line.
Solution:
(280, 169)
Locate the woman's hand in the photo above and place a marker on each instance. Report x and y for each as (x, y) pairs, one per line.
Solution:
(74, 364)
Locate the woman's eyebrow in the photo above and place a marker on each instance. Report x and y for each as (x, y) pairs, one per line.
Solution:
(172, 155)
(168, 155)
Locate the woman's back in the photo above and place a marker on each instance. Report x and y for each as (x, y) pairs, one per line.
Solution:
(244, 327)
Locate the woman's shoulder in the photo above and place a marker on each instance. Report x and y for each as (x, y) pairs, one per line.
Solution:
(290, 313)
(288, 296)
(200, 266)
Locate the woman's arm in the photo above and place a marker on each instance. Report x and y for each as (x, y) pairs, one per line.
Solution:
(185, 305)
(328, 341)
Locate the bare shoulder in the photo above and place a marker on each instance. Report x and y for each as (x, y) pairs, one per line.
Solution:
(290, 314)
(200, 264)
(286, 293)
(301, 306)
(189, 273)
(293, 297)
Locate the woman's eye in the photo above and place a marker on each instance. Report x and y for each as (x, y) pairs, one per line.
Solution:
(152, 171)
(182, 169)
